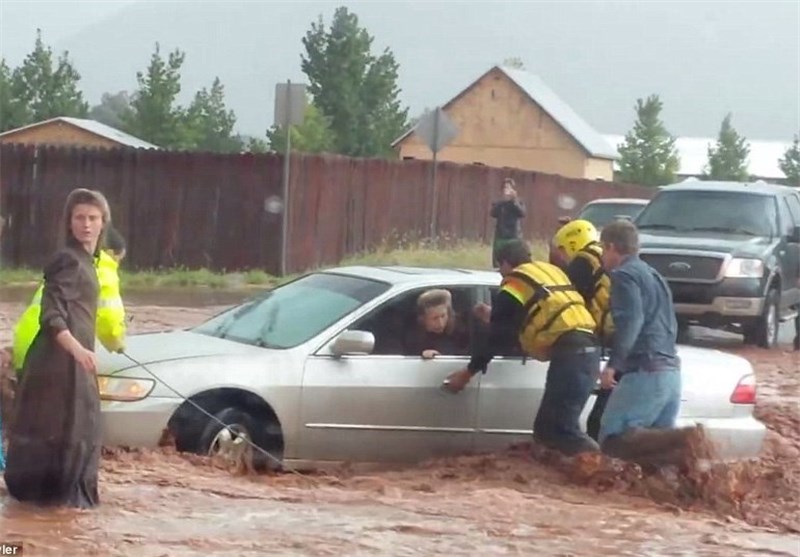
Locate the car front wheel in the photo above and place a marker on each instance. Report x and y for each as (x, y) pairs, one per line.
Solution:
(233, 443)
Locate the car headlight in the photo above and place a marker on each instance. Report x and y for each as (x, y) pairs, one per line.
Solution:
(123, 389)
(745, 268)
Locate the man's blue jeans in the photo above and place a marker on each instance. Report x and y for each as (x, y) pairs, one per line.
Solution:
(644, 399)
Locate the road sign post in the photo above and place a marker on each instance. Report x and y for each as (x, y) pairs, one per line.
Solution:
(290, 107)
(437, 130)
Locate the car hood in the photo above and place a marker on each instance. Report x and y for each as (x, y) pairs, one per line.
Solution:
(734, 244)
(151, 348)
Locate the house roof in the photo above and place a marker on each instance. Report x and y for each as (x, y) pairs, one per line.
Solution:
(693, 152)
(536, 89)
(92, 126)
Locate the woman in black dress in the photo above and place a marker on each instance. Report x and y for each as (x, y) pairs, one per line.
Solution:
(55, 436)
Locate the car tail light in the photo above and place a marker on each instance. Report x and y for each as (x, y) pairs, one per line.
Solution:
(745, 391)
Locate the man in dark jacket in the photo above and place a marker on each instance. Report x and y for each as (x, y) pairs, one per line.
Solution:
(507, 213)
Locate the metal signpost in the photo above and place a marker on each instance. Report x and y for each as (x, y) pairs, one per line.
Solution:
(290, 108)
(437, 130)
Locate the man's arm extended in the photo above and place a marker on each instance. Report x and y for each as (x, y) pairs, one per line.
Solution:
(507, 317)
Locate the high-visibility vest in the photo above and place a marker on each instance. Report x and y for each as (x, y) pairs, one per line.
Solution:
(552, 305)
(109, 326)
(599, 304)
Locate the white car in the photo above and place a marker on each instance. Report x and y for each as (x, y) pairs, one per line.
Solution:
(312, 371)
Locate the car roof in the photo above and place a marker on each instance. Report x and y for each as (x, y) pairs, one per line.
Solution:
(398, 274)
(757, 187)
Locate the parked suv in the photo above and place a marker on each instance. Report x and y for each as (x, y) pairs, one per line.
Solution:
(730, 252)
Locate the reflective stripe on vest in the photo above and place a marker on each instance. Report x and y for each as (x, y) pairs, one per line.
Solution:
(110, 303)
(552, 304)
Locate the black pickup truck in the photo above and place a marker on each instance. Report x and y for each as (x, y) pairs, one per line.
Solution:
(730, 252)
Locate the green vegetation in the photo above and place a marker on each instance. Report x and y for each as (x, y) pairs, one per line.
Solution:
(465, 255)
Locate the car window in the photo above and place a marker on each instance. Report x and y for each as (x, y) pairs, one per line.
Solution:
(711, 211)
(601, 214)
(787, 220)
(295, 312)
(512, 349)
(396, 320)
(794, 208)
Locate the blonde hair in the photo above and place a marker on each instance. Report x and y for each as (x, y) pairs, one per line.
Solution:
(434, 298)
(83, 196)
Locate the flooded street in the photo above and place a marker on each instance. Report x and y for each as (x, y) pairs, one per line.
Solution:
(160, 503)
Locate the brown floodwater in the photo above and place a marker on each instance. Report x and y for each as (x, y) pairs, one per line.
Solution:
(160, 503)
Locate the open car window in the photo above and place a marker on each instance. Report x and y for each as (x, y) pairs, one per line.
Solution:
(393, 321)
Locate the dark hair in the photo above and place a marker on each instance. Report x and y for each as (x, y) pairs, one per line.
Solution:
(623, 235)
(82, 196)
(515, 253)
(114, 240)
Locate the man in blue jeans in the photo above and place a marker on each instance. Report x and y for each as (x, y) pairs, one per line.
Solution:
(638, 423)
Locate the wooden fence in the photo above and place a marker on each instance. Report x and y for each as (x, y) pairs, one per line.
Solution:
(208, 210)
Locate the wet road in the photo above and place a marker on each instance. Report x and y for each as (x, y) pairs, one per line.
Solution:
(164, 504)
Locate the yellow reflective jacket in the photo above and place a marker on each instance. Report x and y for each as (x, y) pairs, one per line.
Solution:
(552, 304)
(110, 324)
(600, 303)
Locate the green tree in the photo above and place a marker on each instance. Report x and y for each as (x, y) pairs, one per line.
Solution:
(13, 113)
(727, 160)
(355, 89)
(314, 135)
(112, 110)
(790, 163)
(154, 115)
(42, 88)
(648, 155)
(209, 122)
(254, 144)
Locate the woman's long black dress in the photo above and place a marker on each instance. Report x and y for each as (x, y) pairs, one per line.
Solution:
(55, 436)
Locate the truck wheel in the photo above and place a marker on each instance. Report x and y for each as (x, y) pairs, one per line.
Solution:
(765, 332)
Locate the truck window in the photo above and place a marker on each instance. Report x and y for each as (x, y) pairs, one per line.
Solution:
(712, 211)
(793, 201)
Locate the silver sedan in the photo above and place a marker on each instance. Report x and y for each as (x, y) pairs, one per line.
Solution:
(312, 372)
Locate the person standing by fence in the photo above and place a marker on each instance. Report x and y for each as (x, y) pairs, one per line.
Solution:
(54, 441)
(508, 212)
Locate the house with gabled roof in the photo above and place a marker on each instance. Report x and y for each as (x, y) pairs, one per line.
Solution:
(75, 132)
(511, 118)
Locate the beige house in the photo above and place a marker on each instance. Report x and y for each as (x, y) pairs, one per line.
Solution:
(75, 132)
(510, 118)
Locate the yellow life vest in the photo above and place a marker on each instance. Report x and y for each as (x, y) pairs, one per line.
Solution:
(110, 323)
(552, 305)
(600, 303)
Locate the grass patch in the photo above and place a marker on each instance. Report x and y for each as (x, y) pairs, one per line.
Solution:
(438, 253)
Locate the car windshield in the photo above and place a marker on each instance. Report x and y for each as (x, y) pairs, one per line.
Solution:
(295, 312)
(711, 211)
(601, 214)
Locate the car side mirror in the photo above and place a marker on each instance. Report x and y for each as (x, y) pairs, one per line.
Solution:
(353, 342)
(794, 237)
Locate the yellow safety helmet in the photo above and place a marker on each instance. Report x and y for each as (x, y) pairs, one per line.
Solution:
(574, 236)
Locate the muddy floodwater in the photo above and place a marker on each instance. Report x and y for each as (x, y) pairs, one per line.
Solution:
(161, 503)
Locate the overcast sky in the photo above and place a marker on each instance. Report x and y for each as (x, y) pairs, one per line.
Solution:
(704, 58)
